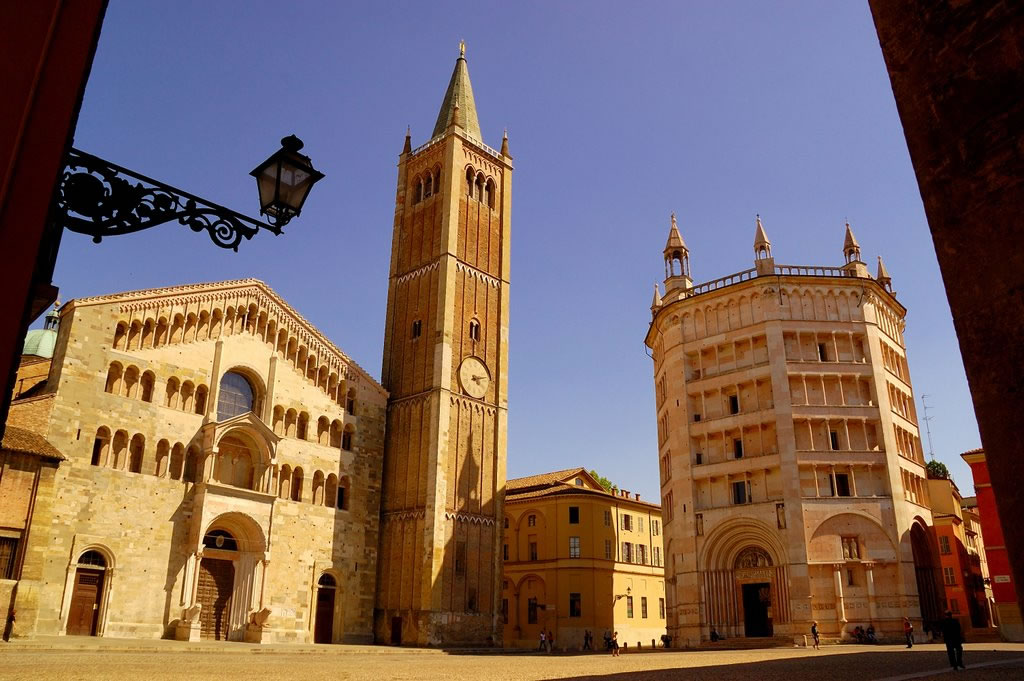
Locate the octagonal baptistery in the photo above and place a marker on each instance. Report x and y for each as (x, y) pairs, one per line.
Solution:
(792, 477)
(222, 473)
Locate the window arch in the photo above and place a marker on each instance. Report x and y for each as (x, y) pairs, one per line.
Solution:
(177, 461)
(346, 437)
(201, 394)
(119, 335)
(136, 451)
(222, 540)
(236, 396)
(428, 186)
(192, 471)
(187, 393)
(489, 193)
(296, 487)
(101, 447)
(285, 482)
(342, 495)
(479, 195)
(278, 420)
(148, 383)
(113, 384)
(331, 491)
(172, 393)
(163, 450)
(323, 430)
(131, 381)
(470, 177)
(336, 431)
(318, 488)
(302, 431)
(474, 330)
(350, 402)
(120, 449)
(94, 559)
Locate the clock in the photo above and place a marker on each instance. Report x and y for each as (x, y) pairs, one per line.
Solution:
(474, 377)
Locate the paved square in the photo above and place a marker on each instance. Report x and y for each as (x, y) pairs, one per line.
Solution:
(159, 660)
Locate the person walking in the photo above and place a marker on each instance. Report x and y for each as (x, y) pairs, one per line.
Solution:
(586, 639)
(814, 634)
(953, 637)
(615, 644)
(551, 642)
(908, 632)
(543, 642)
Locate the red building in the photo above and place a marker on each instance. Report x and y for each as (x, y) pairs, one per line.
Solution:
(1007, 612)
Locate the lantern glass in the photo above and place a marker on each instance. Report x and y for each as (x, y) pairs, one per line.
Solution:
(284, 181)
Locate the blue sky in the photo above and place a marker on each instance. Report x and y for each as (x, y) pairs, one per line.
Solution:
(618, 114)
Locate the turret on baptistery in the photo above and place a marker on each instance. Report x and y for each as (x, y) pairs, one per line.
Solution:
(763, 260)
(854, 267)
(677, 261)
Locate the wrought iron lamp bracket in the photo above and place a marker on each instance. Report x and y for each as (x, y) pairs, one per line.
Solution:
(101, 199)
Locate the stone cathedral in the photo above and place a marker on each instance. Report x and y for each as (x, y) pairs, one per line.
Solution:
(200, 462)
(446, 370)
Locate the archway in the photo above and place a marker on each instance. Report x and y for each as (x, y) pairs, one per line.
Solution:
(745, 582)
(323, 627)
(926, 568)
(87, 594)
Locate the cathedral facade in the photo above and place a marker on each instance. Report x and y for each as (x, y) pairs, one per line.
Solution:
(792, 476)
(221, 473)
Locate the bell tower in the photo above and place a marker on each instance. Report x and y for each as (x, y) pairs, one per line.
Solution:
(445, 367)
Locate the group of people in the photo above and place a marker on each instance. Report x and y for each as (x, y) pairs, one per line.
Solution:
(547, 641)
(952, 636)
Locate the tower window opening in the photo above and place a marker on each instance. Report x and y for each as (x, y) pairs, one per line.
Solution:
(822, 354)
(417, 328)
(734, 404)
(469, 182)
(842, 485)
(833, 437)
(428, 187)
(737, 448)
(474, 330)
(480, 187)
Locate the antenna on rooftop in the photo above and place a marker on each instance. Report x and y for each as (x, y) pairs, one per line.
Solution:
(928, 426)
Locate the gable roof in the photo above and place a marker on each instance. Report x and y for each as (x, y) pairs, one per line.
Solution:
(558, 483)
(26, 442)
(204, 292)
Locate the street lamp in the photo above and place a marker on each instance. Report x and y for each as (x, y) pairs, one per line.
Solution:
(618, 596)
(94, 198)
(284, 181)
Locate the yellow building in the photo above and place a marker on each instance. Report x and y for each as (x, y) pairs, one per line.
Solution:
(792, 478)
(579, 558)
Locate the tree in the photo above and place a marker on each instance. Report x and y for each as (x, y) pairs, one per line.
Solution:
(937, 470)
(605, 482)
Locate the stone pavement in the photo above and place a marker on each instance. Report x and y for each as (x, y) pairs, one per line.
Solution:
(84, 659)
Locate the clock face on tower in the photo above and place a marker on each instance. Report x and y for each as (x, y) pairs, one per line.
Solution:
(474, 377)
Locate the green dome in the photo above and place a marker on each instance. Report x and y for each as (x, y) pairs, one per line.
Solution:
(40, 342)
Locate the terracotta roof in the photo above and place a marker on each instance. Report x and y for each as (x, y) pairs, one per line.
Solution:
(564, 488)
(25, 441)
(542, 479)
(979, 450)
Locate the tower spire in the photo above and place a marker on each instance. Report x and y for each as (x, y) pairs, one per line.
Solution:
(851, 249)
(656, 303)
(407, 148)
(762, 246)
(883, 277)
(459, 96)
(677, 260)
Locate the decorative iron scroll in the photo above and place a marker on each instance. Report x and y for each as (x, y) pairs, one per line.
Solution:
(94, 198)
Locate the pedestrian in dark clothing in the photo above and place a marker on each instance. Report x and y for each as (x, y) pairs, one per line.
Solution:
(586, 640)
(953, 636)
(908, 632)
(815, 635)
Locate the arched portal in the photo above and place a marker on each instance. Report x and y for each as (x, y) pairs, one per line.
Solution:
(745, 582)
(227, 571)
(323, 628)
(926, 568)
(87, 594)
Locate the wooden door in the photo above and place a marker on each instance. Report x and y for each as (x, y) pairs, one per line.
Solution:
(323, 628)
(216, 579)
(85, 603)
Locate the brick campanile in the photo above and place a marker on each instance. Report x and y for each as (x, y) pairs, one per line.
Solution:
(445, 366)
